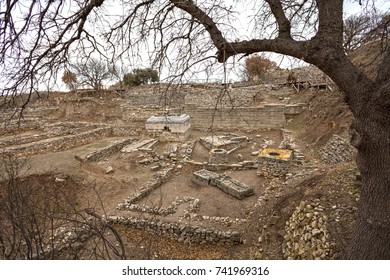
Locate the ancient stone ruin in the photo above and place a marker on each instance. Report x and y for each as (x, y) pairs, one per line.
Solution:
(218, 156)
(229, 142)
(225, 183)
(175, 126)
(274, 162)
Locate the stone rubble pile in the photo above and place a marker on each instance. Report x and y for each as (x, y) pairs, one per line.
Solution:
(338, 149)
(186, 150)
(70, 237)
(306, 236)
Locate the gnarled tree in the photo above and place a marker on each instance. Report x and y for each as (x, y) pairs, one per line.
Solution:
(187, 34)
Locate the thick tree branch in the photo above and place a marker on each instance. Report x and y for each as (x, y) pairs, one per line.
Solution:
(278, 45)
(330, 15)
(216, 35)
(283, 23)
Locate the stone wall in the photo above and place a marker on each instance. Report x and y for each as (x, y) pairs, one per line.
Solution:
(58, 144)
(154, 95)
(53, 130)
(294, 109)
(101, 110)
(108, 150)
(268, 116)
(274, 162)
(177, 231)
(225, 183)
(208, 97)
(181, 232)
(158, 179)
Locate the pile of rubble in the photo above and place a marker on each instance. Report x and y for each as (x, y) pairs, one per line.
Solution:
(306, 236)
(337, 150)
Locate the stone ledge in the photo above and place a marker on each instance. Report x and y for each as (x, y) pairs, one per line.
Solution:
(181, 232)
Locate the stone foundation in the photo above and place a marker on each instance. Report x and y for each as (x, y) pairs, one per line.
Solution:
(108, 150)
(58, 144)
(225, 183)
(181, 232)
(218, 156)
(274, 162)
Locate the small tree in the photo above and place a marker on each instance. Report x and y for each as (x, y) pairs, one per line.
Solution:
(141, 76)
(256, 66)
(69, 79)
(92, 73)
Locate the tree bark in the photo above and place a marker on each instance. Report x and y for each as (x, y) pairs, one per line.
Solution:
(370, 134)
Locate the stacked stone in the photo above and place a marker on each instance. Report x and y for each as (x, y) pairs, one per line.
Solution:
(337, 150)
(225, 183)
(59, 143)
(306, 235)
(54, 130)
(169, 210)
(108, 150)
(187, 149)
(218, 156)
(270, 167)
(181, 232)
(70, 237)
(233, 187)
(158, 179)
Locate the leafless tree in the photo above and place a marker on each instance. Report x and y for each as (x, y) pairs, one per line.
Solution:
(362, 28)
(92, 72)
(186, 36)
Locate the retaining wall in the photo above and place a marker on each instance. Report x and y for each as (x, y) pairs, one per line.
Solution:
(108, 150)
(181, 232)
(58, 144)
(268, 116)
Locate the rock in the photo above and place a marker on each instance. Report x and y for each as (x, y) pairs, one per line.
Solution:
(273, 220)
(59, 180)
(145, 161)
(109, 170)
(155, 167)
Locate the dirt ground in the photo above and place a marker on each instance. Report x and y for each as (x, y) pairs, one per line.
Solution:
(265, 213)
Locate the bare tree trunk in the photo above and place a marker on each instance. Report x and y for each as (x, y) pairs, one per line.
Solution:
(371, 136)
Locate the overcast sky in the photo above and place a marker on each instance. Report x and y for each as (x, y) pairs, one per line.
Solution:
(350, 7)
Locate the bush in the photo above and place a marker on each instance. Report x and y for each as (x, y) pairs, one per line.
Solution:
(141, 76)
